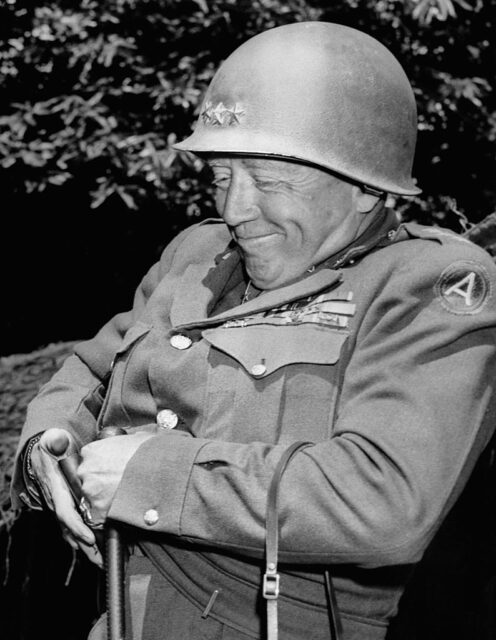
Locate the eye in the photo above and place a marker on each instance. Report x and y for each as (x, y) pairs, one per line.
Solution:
(267, 184)
(221, 177)
(222, 182)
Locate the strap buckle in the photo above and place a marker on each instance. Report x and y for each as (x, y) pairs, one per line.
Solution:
(270, 586)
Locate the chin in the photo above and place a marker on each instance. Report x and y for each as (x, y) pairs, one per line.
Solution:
(262, 281)
(267, 283)
(260, 275)
(267, 278)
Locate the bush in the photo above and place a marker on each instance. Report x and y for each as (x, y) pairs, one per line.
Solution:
(96, 91)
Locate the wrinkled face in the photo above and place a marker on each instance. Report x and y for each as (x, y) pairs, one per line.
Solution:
(285, 217)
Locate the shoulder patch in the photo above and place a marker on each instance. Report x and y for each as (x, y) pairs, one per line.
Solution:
(464, 287)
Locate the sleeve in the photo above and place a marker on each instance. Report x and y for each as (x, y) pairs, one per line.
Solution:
(417, 408)
(74, 396)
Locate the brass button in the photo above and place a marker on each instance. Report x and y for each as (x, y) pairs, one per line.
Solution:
(151, 517)
(258, 370)
(167, 419)
(179, 341)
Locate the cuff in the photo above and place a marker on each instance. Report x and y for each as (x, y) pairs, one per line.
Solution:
(152, 491)
(33, 496)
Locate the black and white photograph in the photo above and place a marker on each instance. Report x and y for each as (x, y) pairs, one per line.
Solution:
(248, 331)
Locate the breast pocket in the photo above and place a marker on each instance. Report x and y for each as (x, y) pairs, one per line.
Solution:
(262, 350)
(291, 377)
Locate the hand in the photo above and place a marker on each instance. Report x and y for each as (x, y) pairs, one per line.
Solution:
(102, 468)
(58, 497)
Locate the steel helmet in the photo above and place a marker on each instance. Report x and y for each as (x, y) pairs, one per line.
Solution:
(317, 92)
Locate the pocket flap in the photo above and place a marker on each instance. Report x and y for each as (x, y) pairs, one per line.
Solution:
(261, 350)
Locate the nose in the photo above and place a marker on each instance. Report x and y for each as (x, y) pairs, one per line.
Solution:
(239, 202)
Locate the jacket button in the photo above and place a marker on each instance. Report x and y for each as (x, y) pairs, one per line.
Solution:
(151, 517)
(167, 419)
(180, 341)
(258, 370)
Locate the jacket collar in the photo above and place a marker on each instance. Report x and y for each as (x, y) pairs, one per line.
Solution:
(196, 292)
(193, 310)
(379, 233)
(202, 284)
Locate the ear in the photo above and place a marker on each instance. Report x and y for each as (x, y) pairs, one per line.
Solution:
(364, 202)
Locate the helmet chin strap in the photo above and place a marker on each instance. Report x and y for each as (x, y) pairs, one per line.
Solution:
(371, 191)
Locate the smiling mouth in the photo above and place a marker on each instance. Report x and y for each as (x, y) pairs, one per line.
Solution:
(255, 239)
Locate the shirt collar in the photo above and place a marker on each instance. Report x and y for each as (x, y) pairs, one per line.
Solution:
(379, 233)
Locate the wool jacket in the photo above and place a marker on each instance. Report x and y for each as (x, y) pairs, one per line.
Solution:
(384, 360)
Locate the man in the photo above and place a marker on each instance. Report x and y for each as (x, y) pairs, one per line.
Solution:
(308, 314)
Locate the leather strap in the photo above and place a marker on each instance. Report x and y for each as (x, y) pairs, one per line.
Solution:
(332, 608)
(271, 577)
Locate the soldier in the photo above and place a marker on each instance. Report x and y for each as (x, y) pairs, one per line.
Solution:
(305, 381)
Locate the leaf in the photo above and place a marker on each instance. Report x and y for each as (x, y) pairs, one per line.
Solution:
(203, 5)
(32, 159)
(127, 198)
(99, 196)
(8, 161)
(59, 178)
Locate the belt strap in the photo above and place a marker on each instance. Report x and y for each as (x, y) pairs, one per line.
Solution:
(271, 577)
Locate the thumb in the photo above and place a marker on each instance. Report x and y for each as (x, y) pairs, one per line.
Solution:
(59, 443)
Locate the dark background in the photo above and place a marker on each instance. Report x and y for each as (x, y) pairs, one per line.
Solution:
(92, 95)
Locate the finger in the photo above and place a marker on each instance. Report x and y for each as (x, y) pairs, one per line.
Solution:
(67, 513)
(45, 469)
(58, 496)
(61, 446)
(44, 463)
(70, 518)
(69, 539)
(58, 443)
(91, 551)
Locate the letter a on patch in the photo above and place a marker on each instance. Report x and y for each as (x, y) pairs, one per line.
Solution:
(463, 287)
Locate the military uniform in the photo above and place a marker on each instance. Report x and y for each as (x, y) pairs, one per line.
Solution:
(383, 358)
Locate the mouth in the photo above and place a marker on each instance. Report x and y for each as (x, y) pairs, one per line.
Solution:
(255, 240)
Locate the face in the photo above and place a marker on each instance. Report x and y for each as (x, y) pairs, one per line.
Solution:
(285, 217)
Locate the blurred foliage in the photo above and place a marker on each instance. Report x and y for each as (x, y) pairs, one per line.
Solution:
(94, 92)
(21, 377)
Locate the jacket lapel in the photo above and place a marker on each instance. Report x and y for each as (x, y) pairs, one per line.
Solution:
(318, 281)
(196, 292)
